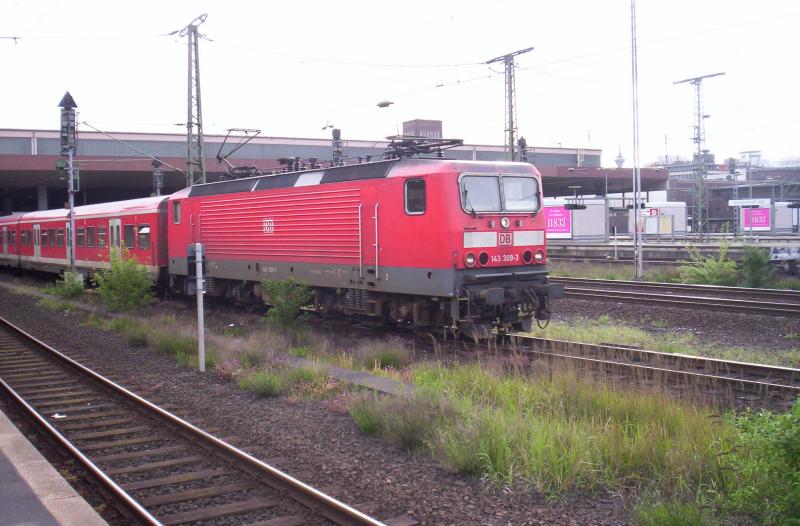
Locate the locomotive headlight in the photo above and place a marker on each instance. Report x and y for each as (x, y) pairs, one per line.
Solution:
(538, 256)
(469, 259)
(504, 222)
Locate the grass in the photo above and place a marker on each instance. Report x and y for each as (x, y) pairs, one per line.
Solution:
(560, 433)
(391, 353)
(669, 514)
(556, 434)
(57, 305)
(301, 382)
(613, 271)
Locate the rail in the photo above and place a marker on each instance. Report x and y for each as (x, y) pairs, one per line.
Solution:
(302, 493)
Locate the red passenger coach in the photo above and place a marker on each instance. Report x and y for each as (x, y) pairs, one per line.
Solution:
(427, 242)
(9, 240)
(40, 240)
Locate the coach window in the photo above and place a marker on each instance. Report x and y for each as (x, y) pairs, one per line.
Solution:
(129, 236)
(144, 236)
(415, 196)
(101, 236)
(43, 238)
(90, 235)
(176, 212)
(51, 236)
(60, 237)
(80, 237)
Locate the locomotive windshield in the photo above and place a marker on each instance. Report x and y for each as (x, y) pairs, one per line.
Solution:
(486, 193)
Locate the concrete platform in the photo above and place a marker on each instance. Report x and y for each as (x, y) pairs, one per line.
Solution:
(32, 492)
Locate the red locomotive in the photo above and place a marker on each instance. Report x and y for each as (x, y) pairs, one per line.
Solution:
(425, 242)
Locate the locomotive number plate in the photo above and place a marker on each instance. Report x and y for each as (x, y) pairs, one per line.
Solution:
(505, 239)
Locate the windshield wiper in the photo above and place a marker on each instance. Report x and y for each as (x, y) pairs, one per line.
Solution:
(467, 203)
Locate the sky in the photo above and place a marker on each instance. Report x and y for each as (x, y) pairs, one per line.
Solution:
(290, 68)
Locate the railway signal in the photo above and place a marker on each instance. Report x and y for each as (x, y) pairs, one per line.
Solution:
(68, 138)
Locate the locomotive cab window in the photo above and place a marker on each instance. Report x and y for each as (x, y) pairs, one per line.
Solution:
(480, 193)
(176, 212)
(415, 196)
(520, 194)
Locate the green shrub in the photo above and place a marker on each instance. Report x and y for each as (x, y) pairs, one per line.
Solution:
(285, 297)
(264, 383)
(69, 285)
(755, 268)
(764, 465)
(127, 285)
(708, 270)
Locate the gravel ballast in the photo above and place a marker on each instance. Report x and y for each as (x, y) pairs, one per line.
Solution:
(319, 442)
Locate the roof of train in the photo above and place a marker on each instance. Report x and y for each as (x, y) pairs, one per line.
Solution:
(142, 205)
(353, 172)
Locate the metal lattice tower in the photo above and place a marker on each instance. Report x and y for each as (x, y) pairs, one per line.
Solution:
(699, 189)
(511, 99)
(195, 155)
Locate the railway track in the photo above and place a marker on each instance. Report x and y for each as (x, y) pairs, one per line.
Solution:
(155, 467)
(745, 382)
(709, 297)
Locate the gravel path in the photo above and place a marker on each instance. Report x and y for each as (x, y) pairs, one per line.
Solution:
(321, 444)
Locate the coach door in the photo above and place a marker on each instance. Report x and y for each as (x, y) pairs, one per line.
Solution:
(37, 248)
(113, 233)
(5, 240)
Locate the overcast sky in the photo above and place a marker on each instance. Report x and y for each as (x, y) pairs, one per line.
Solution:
(288, 68)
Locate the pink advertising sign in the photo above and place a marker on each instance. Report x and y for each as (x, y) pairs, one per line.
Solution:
(757, 218)
(559, 222)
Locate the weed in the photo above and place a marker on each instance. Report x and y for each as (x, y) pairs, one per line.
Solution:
(127, 285)
(669, 514)
(383, 354)
(786, 283)
(173, 343)
(56, 305)
(285, 297)
(764, 466)
(264, 383)
(755, 267)
(304, 351)
(68, 285)
(367, 415)
(708, 270)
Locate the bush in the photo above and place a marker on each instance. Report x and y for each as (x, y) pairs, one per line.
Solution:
(708, 270)
(69, 285)
(765, 467)
(755, 269)
(286, 297)
(127, 285)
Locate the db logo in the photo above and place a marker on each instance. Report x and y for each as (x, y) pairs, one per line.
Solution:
(269, 226)
(505, 239)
